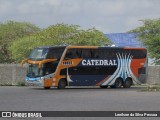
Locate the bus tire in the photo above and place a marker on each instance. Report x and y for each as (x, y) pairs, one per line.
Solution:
(117, 84)
(47, 87)
(62, 84)
(127, 83)
(106, 86)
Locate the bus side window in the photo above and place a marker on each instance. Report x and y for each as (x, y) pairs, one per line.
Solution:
(50, 67)
(111, 54)
(78, 53)
(68, 55)
(72, 54)
(100, 54)
(94, 54)
(50, 54)
(54, 53)
(86, 53)
(139, 54)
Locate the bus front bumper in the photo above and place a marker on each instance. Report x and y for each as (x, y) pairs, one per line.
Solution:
(34, 81)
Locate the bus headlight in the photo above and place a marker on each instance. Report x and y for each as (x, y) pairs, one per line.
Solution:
(42, 78)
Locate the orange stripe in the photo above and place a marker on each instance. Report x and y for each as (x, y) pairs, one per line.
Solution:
(99, 83)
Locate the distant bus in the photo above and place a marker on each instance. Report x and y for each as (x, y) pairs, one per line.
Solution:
(63, 66)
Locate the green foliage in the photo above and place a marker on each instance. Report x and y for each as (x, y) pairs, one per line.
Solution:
(151, 88)
(149, 34)
(59, 34)
(11, 31)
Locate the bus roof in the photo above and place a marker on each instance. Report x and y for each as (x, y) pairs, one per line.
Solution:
(51, 47)
(94, 47)
(107, 47)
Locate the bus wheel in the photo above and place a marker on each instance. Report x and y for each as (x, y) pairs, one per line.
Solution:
(127, 83)
(47, 87)
(117, 84)
(62, 84)
(106, 86)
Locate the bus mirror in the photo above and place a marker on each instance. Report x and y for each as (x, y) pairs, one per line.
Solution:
(45, 61)
(40, 65)
(23, 61)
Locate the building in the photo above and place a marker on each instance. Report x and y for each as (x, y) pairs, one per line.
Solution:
(125, 39)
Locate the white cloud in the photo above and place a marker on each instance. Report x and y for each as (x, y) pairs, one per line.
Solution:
(106, 15)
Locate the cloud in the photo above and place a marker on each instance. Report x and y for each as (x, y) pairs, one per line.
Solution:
(106, 15)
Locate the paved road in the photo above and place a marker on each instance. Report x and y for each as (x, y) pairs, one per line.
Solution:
(77, 99)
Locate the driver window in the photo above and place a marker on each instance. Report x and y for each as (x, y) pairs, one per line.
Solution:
(50, 67)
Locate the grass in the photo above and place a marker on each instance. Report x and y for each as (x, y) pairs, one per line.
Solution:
(5, 84)
(10, 84)
(152, 88)
(21, 84)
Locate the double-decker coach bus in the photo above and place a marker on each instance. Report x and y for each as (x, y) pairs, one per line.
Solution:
(63, 66)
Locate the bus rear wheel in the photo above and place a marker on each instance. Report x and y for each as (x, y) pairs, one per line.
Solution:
(117, 84)
(127, 83)
(62, 84)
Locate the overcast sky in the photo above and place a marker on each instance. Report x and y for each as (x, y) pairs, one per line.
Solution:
(109, 16)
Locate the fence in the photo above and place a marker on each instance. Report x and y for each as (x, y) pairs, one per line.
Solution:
(12, 74)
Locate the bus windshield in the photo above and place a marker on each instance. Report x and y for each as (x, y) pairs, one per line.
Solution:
(39, 54)
(34, 71)
(48, 67)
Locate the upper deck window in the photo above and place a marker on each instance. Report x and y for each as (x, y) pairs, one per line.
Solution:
(55, 53)
(39, 54)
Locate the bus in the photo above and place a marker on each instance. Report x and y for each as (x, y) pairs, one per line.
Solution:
(61, 66)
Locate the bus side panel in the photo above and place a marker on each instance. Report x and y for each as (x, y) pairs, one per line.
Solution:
(137, 64)
(86, 80)
(79, 75)
(141, 70)
(62, 70)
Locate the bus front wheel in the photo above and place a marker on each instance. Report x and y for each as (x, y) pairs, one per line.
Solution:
(47, 87)
(62, 84)
(127, 83)
(106, 86)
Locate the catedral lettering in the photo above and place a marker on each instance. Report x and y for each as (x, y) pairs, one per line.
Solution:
(98, 62)
(61, 66)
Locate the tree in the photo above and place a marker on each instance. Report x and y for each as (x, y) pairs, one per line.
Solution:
(59, 34)
(149, 34)
(11, 31)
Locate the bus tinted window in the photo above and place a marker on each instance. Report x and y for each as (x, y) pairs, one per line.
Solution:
(50, 67)
(138, 54)
(55, 53)
(86, 53)
(78, 53)
(100, 53)
(73, 53)
(103, 54)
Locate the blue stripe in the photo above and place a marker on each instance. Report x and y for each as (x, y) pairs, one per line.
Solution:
(117, 72)
(32, 79)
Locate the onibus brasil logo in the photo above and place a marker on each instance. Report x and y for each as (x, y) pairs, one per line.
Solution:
(21, 114)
